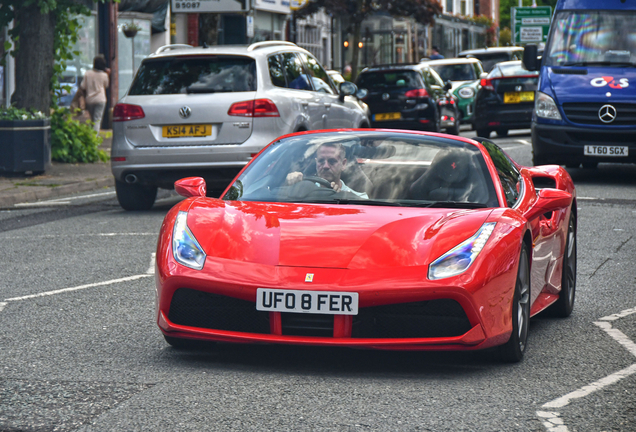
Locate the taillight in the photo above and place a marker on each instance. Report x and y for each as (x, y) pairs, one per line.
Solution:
(254, 108)
(417, 93)
(487, 84)
(126, 112)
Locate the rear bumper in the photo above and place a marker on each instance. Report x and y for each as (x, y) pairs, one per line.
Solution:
(562, 144)
(496, 117)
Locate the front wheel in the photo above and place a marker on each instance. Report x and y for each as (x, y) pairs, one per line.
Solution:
(134, 197)
(502, 133)
(513, 350)
(454, 130)
(564, 305)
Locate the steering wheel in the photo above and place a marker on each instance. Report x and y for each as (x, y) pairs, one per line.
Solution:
(319, 180)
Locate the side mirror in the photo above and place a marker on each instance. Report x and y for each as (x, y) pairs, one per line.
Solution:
(547, 201)
(530, 61)
(448, 85)
(190, 187)
(362, 93)
(483, 75)
(347, 88)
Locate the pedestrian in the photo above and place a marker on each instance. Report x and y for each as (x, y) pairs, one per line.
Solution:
(435, 55)
(94, 86)
(346, 73)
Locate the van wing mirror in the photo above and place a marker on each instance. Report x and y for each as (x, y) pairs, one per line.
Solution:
(530, 61)
(191, 187)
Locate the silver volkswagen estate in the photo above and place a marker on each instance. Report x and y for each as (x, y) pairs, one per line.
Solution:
(207, 111)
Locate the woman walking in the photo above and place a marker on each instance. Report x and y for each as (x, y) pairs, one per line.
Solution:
(94, 87)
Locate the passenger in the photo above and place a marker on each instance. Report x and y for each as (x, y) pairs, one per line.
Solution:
(330, 162)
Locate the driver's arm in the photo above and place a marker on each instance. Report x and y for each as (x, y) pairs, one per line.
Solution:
(293, 177)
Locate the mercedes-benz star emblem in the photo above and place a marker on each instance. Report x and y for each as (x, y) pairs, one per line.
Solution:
(607, 113)
(385, 96)
(185, 112)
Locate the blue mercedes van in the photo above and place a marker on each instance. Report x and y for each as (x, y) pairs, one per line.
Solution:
(585, 104)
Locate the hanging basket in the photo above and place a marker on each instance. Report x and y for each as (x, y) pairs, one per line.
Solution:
(130, 33)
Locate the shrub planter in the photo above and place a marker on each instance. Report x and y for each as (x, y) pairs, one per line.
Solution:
(25, 145)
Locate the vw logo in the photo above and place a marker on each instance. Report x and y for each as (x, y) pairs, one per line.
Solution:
(185, 112)
(518, 88)
(607, 113)
(385, 96)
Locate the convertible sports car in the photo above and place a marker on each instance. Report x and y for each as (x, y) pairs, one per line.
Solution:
(380, 239)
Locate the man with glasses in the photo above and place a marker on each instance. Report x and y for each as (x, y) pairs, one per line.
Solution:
(330, 162)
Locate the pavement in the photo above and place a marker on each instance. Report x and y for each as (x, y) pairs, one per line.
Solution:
(61, 179)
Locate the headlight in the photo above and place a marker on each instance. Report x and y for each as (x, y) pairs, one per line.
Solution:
(185, 248)
(545, 107)
(458, 259)
(466, 92)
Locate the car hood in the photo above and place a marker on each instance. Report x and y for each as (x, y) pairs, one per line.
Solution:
(329, 236)
(594, 86)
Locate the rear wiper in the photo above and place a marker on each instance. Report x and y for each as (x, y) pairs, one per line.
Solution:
(456, 204)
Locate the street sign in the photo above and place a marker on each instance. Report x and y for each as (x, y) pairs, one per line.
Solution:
(531, 24)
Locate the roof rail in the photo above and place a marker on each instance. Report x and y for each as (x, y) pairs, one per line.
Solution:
(264, 44)
(171, 47)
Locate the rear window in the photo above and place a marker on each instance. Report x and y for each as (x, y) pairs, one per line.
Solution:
(456, 72)
(510, 69)
(389, 80)
(201, 74)
(490, 60)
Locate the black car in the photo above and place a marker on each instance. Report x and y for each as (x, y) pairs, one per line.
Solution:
(409, 97)
(505, 100)
(489, 57)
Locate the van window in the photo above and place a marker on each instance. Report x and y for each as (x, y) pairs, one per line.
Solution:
(583, 38)
(200, 74)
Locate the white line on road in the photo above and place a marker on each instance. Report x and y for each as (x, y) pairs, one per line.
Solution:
(618, 336)
(616, 316)
(552, 422)
(151, 269)
(62, 201)
(2, 305)
(81, 287)
(65, 236)
(524, 142)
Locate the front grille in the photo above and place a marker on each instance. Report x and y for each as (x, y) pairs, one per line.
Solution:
(425, 319)
(300, 324)
(596, 138)
(587, 113)
(211, 311)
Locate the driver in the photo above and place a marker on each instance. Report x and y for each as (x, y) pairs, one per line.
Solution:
(330, 162)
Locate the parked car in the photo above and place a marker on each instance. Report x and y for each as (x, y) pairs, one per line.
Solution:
(489, 57)
(207, 111)
(437, 243)
(409, 97)
(465, 75)
(70, 81)
(505, 100)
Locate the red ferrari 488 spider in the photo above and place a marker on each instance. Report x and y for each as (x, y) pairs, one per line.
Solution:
(377, 239)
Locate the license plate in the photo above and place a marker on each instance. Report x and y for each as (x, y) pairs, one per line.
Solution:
(517, 97)
(184, 131)
(615, 151)
(317, 302)
(388, 116)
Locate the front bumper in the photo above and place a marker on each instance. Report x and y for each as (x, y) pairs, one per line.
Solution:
(559, 144)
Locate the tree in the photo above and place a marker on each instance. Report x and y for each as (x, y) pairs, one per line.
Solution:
(423, 11)
(43, 33)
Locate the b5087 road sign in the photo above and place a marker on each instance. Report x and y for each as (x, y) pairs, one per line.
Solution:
(531, 24)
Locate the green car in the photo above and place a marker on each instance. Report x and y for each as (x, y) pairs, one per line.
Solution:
(465, 75)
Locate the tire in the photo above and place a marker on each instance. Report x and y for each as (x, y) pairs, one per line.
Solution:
(133, 197)
(502, 133)
(483, 133)
(564, 305)
(513, 350)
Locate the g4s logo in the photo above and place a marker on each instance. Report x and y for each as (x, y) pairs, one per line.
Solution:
(608, 80)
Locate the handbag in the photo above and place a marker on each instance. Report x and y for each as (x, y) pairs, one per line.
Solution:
(79, 100)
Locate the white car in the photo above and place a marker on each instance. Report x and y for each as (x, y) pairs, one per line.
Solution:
(207, 111)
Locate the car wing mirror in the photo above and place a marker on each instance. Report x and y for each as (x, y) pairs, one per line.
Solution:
(191, 187)
(448, 85)
(347, 88)
(549, 200)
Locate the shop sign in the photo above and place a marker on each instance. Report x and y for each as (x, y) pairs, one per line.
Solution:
(205, 6)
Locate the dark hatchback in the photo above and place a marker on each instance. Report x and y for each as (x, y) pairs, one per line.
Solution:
(409, 97)
(505, 100)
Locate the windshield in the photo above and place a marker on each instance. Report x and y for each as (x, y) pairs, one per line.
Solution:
(456, 72)
(374, 168)
(588, 38)
(380, 81)
(197, 74)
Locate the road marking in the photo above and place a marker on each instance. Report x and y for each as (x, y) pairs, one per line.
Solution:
(551, 420)
(52, 236)
(2, 305)
(42, 204)
(151, 269)
(524, 142)
(61, 201)
(77, 288)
